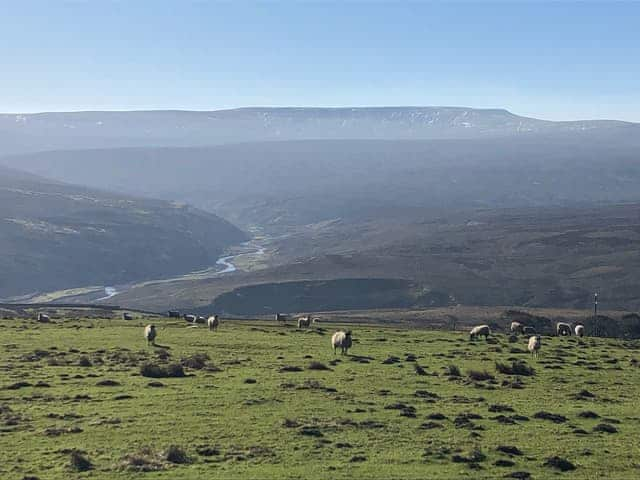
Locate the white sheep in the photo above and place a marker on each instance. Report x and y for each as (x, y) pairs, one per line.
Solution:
(516, 328)
(304, 322)
(579, 330)
(563, 329)
(190, 318)
(213, 322)
(150, 334)
(341, 340)
(535, 342)
(43, 318)
(479, 331)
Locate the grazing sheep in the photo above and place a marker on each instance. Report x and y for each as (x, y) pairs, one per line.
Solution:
(190, 318)
(304, 322)
(535, 342)
(341, 340)
(201, 319)
(528, 330)
(563, 329)
(127, 316)
(315, 320)
(281, 317)
(150, 334)
(43, 318)
(579, 330)
(517, 328)
(479, 331)
(213, 322)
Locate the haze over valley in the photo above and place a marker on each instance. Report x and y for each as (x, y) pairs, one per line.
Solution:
(464, 205)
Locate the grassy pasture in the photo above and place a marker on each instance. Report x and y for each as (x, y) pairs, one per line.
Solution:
(75, 386)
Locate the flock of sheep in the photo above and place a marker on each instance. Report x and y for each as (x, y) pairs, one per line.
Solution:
(340, 340)
(535, 341)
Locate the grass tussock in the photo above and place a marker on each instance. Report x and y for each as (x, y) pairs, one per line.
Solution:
(153, 370)
(515, 368)
(79, 462)
(452, 371)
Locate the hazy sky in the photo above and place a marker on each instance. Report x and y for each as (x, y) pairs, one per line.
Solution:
(550, 60)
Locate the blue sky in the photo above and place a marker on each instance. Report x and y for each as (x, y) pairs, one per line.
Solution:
(550, 60)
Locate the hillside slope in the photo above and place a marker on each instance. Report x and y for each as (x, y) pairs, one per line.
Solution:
(291, 183)
(54, 235)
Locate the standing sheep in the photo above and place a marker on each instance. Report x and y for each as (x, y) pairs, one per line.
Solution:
(190, 318)
(213, 322)
(281, 317)
(563, 329)
(43, 318)
(480, 330)
(535, 342)
(150, 334)
(579, 330)
(517, 328)
(304, 322)
(341, 340)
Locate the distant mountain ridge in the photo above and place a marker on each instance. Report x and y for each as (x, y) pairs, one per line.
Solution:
(22, 133)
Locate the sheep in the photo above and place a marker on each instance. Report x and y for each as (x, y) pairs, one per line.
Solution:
(516, 328)
(535, 342)
(341, 340)
(315, 320)
(190, 318)
(213, 322)
(528, 330)
(201, 319)
(563, 329)
(579, 330)
(281, 317)
(479, 331)
(150, 334)
(127, 316)
(304, 322)
(43, 318)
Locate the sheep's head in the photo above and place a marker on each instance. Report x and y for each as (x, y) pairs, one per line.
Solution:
(348, 333)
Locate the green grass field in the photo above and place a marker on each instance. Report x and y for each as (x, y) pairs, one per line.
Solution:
(372, 414)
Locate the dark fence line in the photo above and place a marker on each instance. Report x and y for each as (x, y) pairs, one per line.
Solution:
(109, 308)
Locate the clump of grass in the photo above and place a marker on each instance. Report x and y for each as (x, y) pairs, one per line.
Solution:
(318, 366)
(452, 371)
(176, 454)
(84, 362)
(79, 462)
(516, 368)
(474, 456)
(196, 361)
(152, 370)
(419, 370)
(290, 368)
(144, 460)
(605, 427)
(559, 463)
(479, 376)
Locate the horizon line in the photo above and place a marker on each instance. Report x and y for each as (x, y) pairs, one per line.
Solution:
(295, 107)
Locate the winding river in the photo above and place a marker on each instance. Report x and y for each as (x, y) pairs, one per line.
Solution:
(223, 265)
